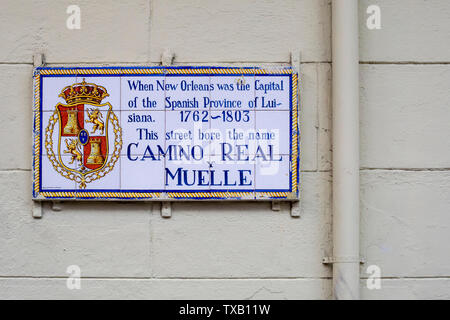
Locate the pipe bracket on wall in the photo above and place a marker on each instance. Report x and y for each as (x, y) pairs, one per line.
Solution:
(331, 260)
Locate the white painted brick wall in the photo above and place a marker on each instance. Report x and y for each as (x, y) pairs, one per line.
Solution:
(111, 31)
(16, 118)
(405, 112)
(412, 31)
(236, 30)
(245, 239)
(105, 240)
(230, 289)
(405, 222)
(238, 250)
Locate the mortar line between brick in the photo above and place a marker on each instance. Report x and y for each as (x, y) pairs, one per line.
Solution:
(214, 278)
(165, 278)
(15, 63)
(406, 169)
(406, 62)
(412, 278)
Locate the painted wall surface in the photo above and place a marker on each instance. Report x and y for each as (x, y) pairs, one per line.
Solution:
(238, 250)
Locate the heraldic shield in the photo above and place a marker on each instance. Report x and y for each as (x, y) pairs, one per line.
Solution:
(83, 137)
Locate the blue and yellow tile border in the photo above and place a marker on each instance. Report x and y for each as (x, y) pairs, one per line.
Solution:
(40, 194)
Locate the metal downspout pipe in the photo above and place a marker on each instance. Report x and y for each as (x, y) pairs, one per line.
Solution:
(345, 84)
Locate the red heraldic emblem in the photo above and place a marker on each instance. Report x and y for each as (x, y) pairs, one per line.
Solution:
(88, 139)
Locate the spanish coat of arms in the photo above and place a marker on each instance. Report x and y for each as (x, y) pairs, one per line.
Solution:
(83, 138)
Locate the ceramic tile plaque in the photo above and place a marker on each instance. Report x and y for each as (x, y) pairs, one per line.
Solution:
(165, 133)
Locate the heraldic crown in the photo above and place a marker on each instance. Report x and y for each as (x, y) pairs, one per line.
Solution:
(83, 92)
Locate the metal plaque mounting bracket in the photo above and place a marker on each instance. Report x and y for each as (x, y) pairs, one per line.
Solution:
(276, 206)
(166, 209)
(167, 57)
(56, 206)
(37, 209)
(38, 60)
